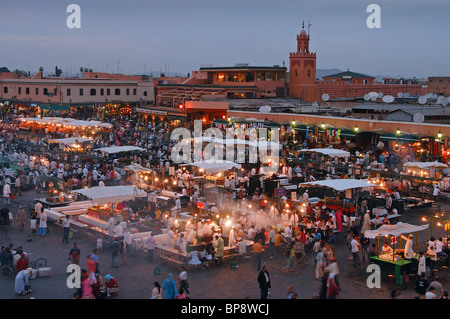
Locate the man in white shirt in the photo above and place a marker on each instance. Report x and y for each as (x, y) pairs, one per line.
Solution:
(66, 229)
(6, 194)
(439, 250)
(355, 251)
(181, 243)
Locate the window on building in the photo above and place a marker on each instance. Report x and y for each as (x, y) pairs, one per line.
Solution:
(19, 90)
(280, 77)
(231, 77)
(261, 76)
(93, 92)
(5, 89)
(68, 92)
(45, 91)
(134, 92)
(108, 91)
(55, 91)
(81, 92)
(27, 90)
(128, 91)
(102, 91)
(308, 74)
(117, 91)
(221, 77)
(37, 91)
(269, 76)
(250, 77)
(145, 93)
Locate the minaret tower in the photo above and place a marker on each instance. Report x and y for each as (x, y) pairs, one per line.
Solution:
(302, 69)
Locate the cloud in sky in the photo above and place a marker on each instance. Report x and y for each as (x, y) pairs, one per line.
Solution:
(150, 34)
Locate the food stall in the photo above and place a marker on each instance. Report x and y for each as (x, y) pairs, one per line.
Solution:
(394, 263)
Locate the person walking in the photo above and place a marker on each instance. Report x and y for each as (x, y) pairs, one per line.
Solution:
(151, 244)
(17, 186)
(74, 254)
(184, 286)
(6, 194)
(66, 229)
(355, 251)
(264, 282)
(21, 218)
(33, 220)
(257, 250)
(170, 287)
(271, 242)
(115, 246)
(43, 224)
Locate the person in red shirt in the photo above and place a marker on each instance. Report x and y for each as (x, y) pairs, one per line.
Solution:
(22, 263)
(90, 265)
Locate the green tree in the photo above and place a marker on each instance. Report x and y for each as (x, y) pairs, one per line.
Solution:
(4, 69)
(58, 72)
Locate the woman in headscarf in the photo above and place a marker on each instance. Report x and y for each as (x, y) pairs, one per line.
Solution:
(170, 287)
(112, 287)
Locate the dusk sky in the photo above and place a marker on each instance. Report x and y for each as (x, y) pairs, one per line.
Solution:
(181, 35)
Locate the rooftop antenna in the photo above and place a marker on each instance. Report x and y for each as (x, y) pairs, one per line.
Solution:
(303, 24)
(309, 25)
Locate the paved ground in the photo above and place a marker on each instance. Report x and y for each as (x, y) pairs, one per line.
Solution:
(221, 282)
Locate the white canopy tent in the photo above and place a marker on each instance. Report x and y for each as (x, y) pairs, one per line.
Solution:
(136, 168)
(394, 230)
(111, 194)
(341, 184)
(425, 165)
(70, 141)
(118, 149)
(65, 121)
(212, 167)
(327, 151)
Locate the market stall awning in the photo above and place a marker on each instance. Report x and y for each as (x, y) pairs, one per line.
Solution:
(63, 121)
(341, 184)
(212, 167)
(118, 149)
(111, 194)
(136, 168)
(71, 140)
(425, 165)
(394, 230)
(327, 151)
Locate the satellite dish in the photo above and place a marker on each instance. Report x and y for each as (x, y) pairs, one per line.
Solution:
(366, 97)
(399, 94)
(374, 98)
(448, 99)
(418, 118)
(429, 95)
(388, 99)
(325, 97)
(315, 104)
(380, 95)
(442, 100)
(265, 109)
(373, 94)
(422, 100)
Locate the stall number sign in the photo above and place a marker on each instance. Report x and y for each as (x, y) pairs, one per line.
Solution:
(393, 240)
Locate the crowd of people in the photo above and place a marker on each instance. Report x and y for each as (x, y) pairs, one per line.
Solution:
(245, 212)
